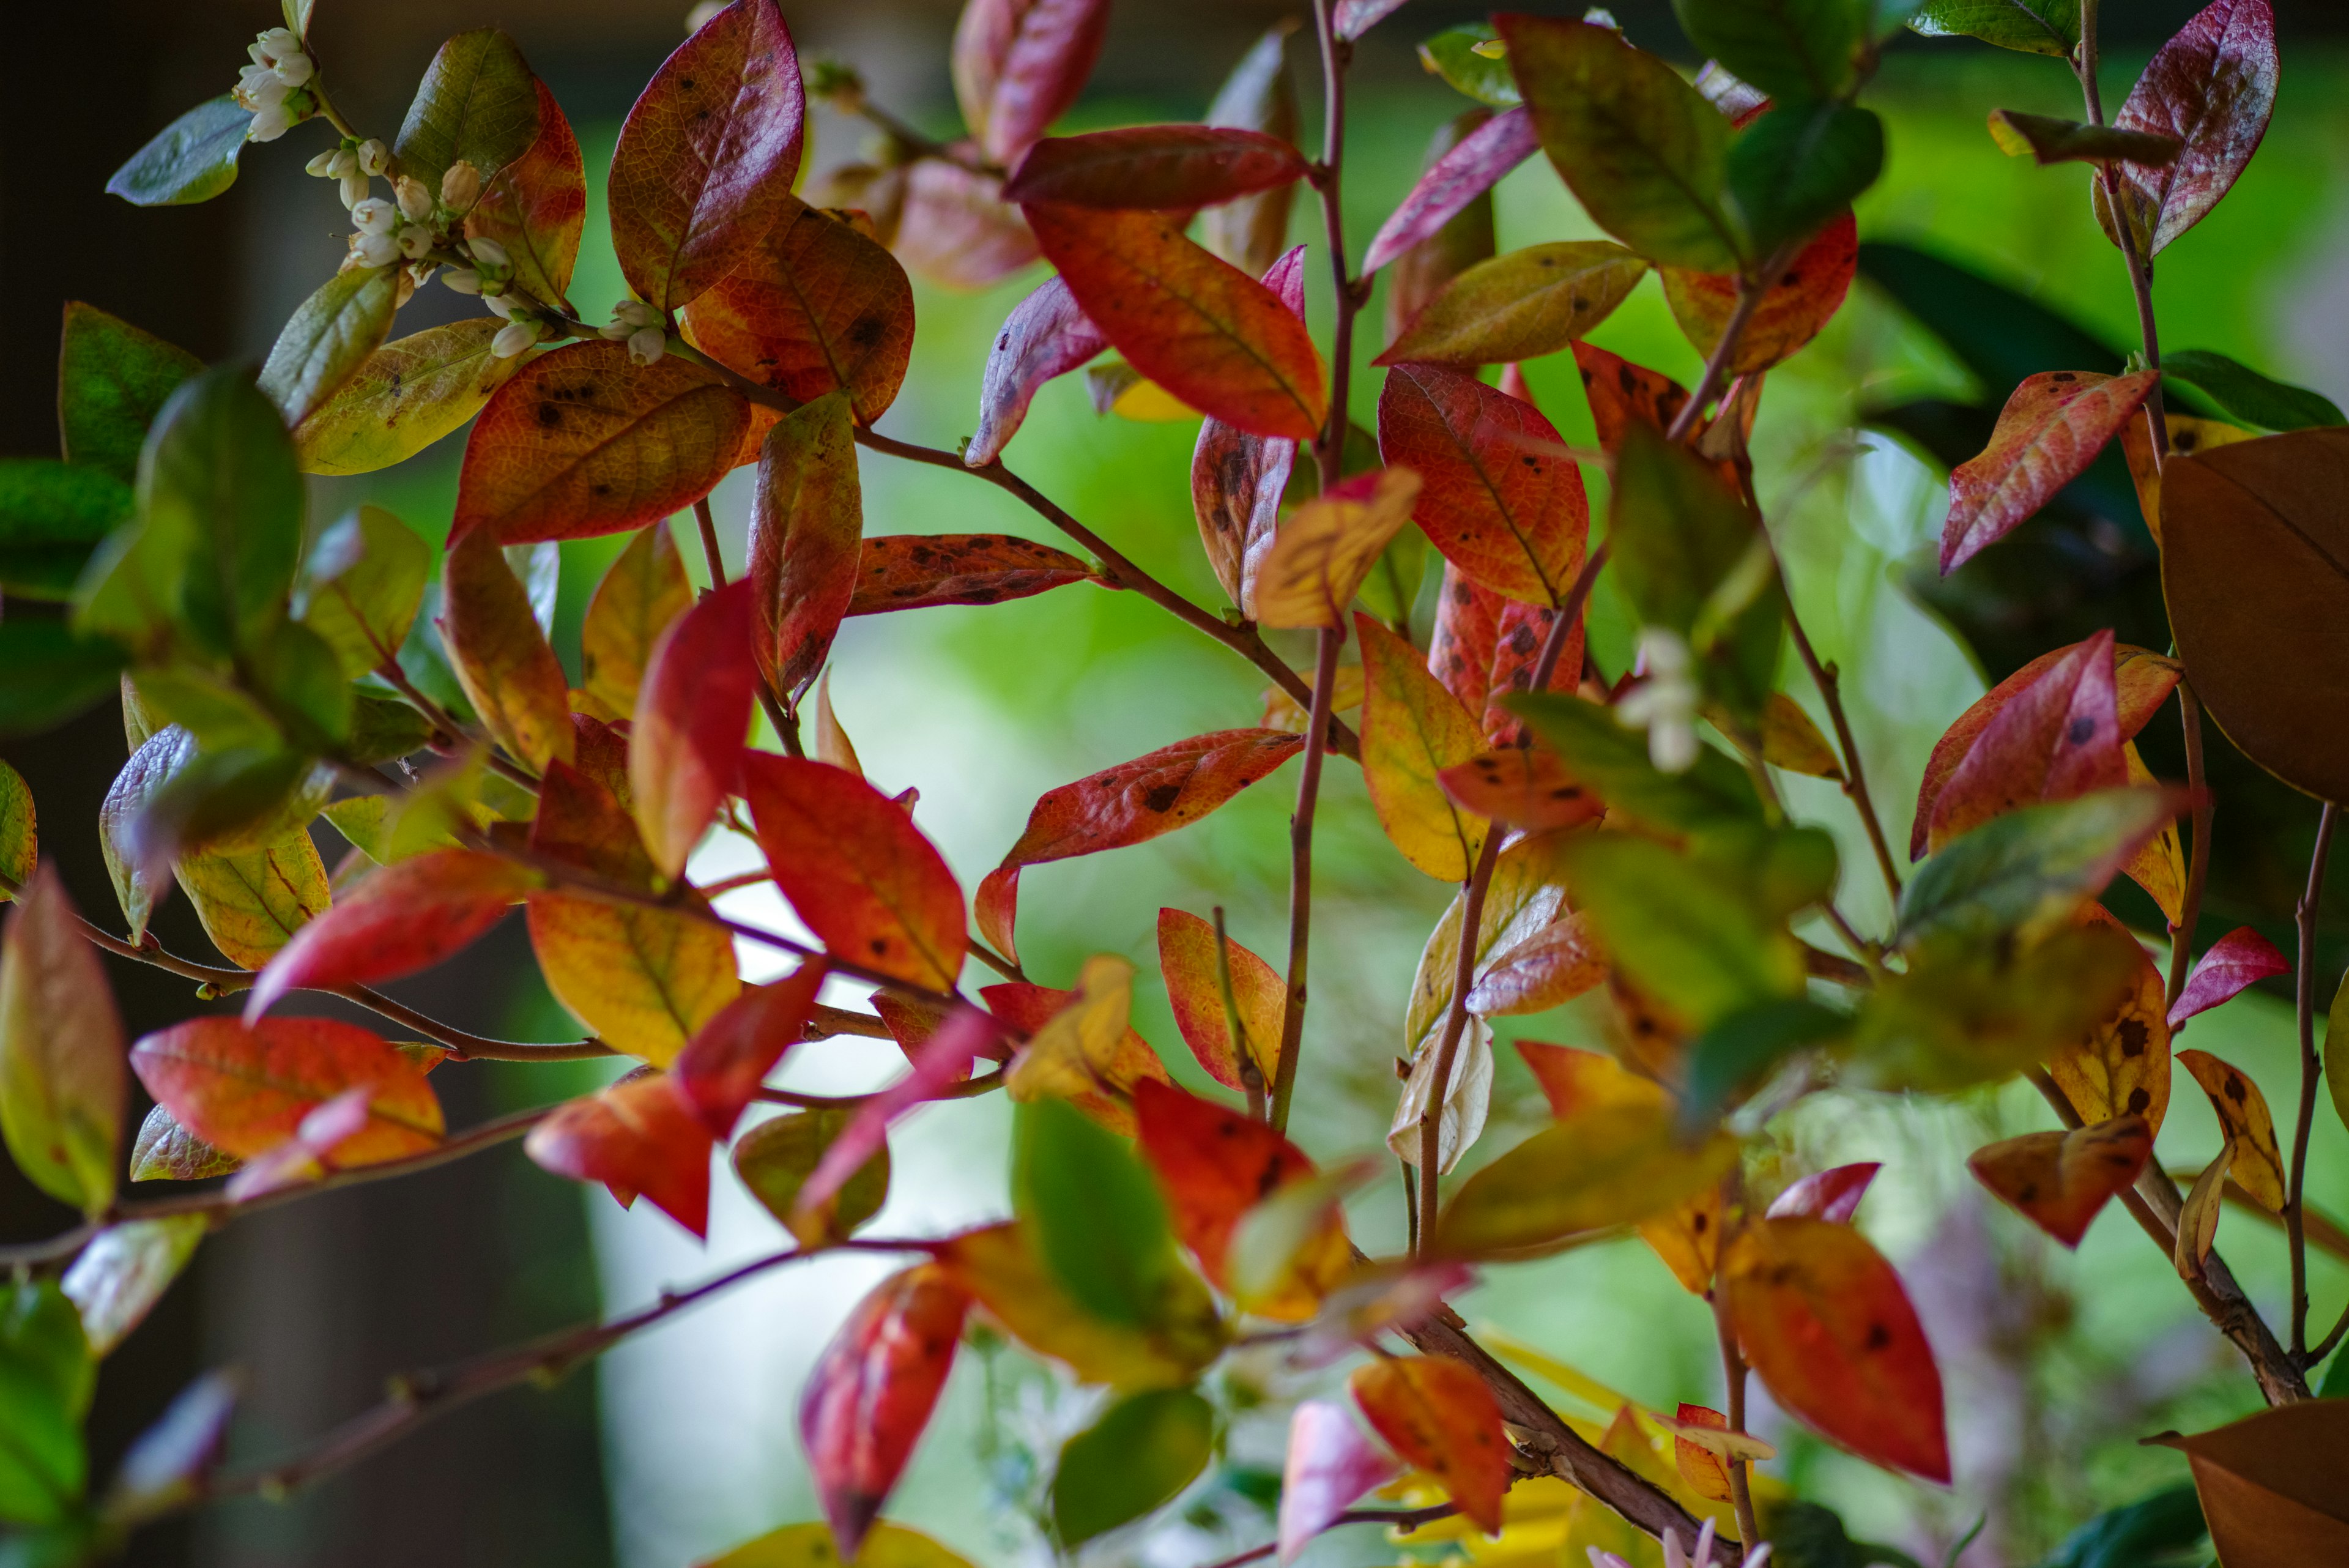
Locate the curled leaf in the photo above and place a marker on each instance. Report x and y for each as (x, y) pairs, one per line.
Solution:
(2235, 962)
(871, 1394)
(2052, 427)
(2059, 1180)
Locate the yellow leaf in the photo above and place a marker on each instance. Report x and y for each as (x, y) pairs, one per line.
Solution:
(1413, 729)
(252, 902)
(1000, 1269)
(2159, 864)
(1076, 1052)
(1792, 742)
(643, 590)
(1322, 555)
(407, 395)
(644, 980)
(2186, 434)
(811, 1546)
(509, 673)
(2254, 1160)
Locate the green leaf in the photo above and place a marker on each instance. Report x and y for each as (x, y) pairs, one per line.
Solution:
(2336, 1061)
(2151, 1528)
(2000, 335)
(360, 585)
(2034, 27)
(775, 1158)
(2030, 869)
(2249, 397)
(1613, 760)
(478, 101)
(193, 159)
(1640, 149)
(1678, 931)
(1799, 165)
(1144, 1449)
(407, 395)
(48, 674)
(1392, 587)
(222, 801)
(1520, 305)
(1788, 48)
(325, 341)
(383, 729)
(1976, 1012)
(51, 516)
(2048, 140)
(1099, 1224)
(1607, 1166)
(19, 842)
(113, 379)
(62, 1054)
(46, 1375)
(1453, 54)
(1739, 1052)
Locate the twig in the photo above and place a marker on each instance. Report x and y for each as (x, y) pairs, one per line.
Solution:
(1733, 332)
(1455, 1023)
(2312, 1067)
(708, 522)
(1402, 1518)
(967, 1090)
(2141, 268)
(1300, 877)
(2197, 867)
(1829, 682)
(441, 719)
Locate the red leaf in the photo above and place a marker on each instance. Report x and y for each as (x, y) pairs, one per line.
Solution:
(1237, 478)
(1458, 178)
(1501, 499)
(1620, 392)
(244, 1091)
(1699, 1466)
(1020, 64)
(1356, 17)
(636, 1137)
(581, 823)
(1195, 993)
(1806, 297)
(1440, 1416)
(807, 522)
(706, 159)
(1200, 328)
(1833, 1194)
(1825, 1322)
(957, 230)
(916, 571)
(1213, 1163)
(2236, 961)
(722, 1068)
(693, 719)
(871, 1394)
(2059, 1180)
(1330, 1465)
(1023, 1009)
(307, 1154)
(1047, 334)
(537, 205)
(944, 1058)
(1467, 635)
(873, 890)
(1167, 168)
(1518, 646)
(1531, 790)
(2213, 88)
(403, 917)
(2057, 737)
(2052, 427)
(500, 655)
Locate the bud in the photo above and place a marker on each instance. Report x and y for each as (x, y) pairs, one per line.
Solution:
(414, 241)
(355, 188)
(373, 157)
(499, 306)
(277, 44)
(269, 123)
(415, 201)
(514, 338)
(323, 166)
(489, 253)
(618, 331)
(376, 250)
(460, 187)
(375, 216)
(646, 345)
(294, 69)
(464, 280)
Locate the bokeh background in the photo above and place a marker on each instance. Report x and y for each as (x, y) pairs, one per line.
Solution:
(682, 1442)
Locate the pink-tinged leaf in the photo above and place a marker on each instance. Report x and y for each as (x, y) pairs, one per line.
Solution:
(1020, 64)
(807, 524)
(1331, 1463)
(1458, 178)
(2236, 961)
(941, 1061)
(914, 571)
(2049, 431)
(2212, 87)
(871, 1394)
(995, 909)
(956, 229)
(306, 1155)
(1047, 334)
(1354, 18)
(706, 157)
(722, 1066)
(1237, 479)
(2057, 739)
(1468, 634)
(1165, 168)
(403, 917)
(636, 1137)
(693, 717)
(581, 823)
(1833, 1194)
(537, 206)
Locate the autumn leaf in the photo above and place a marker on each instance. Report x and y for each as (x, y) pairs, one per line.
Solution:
(61, 1082)
(1526, 895)
(2059, 1180)
(1473, 167)
(1832, 1194)
(2057, 737)
(645, 980)
(956, 229)
(1442, 1419)
(501, 657)
(685, 753)
(1167, 168)
(2212, 87)
(916, 571)
(1574, 1080)
(1020, 64)
(2052, 427)
(642, 592)
(402, 919)
(1521, 305)
(2234, 963)
(1330, 1465)
(1412, 729)
(636, 1137)
(478, 102)
(2271, 1485)
(1606, 1165)
(806, 520)
(1699, 1466)
(253, 901)
(999, 1266)
(942, 1059)
(871, 1393)
(721, 1068)
(1321, 556)
(2254, 1162)
(245, 1090)
(1465, 641)
(537, 206)
(1186, 958)
(1802, 301)
(1239, 479)
(1523, 789)
(1080, 1046)
(1047, 334)
(581, 823)
(1549, 969)
(776, 1159)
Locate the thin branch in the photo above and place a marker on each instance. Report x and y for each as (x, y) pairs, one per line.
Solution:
(1300, 877)
(1732, 333)
(1402, 1518)
(825, 1022)
(1732, 1370)
(2198, 868)
(2312, 1067)
(1829, 682)
(967, 1089)
(2140, 267)
(1455, 1023)
(707, 521)
(441, 719)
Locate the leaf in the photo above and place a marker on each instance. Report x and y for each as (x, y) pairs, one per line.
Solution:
(1521, 305)
(2254, 1160)
(1198, 326)
(1699, 1466)
(1604, 1165)
(1355, 18)
(806, 520)
(402, 919)
(478, 103)
(1794, 51)
(1439, 1416)
(166, 1151)
(2212, 87)
(2271, 1485)
(1526, 893)
(1965, 1015)
(1020, 64)
(1464, 1101)
(957, 230)
(2336, 1050)
(61, 1083)
(2235, 962)
(1796, 168)
(537, 206)
(361, 583)
(1187, 957)
(1330, 1464)
(706, 159)
(2034, 27)
(1472, 168)
(2120, 1065)
(1796, 307)
(2054, 423)
(500, 656)
(52, 515)
(20, 844)
(1080, 1044)
(816, 307)
(1824, 1320)
(1252, 231)
(581, 442)
(685, 752)
(871, 1393)
(643, 591)
(2060, 1181)
(1549, 969)
(916, 571)
(403, 397)
(1239, 479)
(722, 1066)
(1129, 804)
(2056, 739)
(1165, 168)
(2198, 1217)
(1419, 274)
(1412, 729)
(253, 901)
(1137, 1458)
(1833, 1194)
(2246, 395)
(1047, 334)
(1526, 789)
(1640, 149)
(636, 1137)
(2265, 517)
(112, 380)
(48, 1376)
(2030, 869)
(119, 1277)
(886, 1545)
(2045, 140)
(944, 1058)
(193, 159)
(245, 1090)
(776, 1158)
(1453, 55)
(646, 981)
(1322, 555)
(328, 338)
(1099, 1223)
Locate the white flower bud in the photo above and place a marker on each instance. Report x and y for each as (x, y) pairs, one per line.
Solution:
(269, 124)
(460, 186)
(499, 305)
(514, 338)
(373, 157)
(415, 201)
(489, 253)
(414, 241)
(375, 216)
(1665, 702)
(647, 344)
(264, 91)
(355, 188)
(323, 166)
(376, 250)
(464, 280)
(617, 331)
(253, 76)
(278, 43)
(294, 69)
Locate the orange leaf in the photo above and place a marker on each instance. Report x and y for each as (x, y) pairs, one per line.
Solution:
(1412, 730)
(816, 307)
(2274, 1487)
(1439, 1416)
(1322, 554)
(873, 890)
(1187, 957)
(1127, 1063)
(2159, 865)
(693, 717)
(1462, 650)
(2057, 737)
(1574, 1080)
(636, 1137)
(706, 159)
(581, 823)
(1791, 314)
(1020, 64)
(643, 590)
(244, 1091)
(1531, 790)
(502, 658)
(914, 571)
(2059, 1180)
(1501, 499)
(2052, 427)
(2198, 1217)
(871, 1393)
(1549, 969)
(1193, 322)
(403, 917)
(1215, 1164)
(722, 1068)
(1700, 1466)
(805, 523)
(1238, 478)
(2122, 1068)
(1518, 643)
(1687, 1237)
(1824, 1322)
(1169, 167)
(537, 205)
(2255, 1162)
(583, 442)
(1621, 393)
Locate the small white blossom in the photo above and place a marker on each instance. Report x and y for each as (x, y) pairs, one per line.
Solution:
(499, 306)
(629, 317)
(269, 124)
(415, 201)
(373, 157)
(277, 44)
(322, 166)
(1665, 703)
(464, 280)
(375, 250)
(354, 189)
(647, 344)
(335, 163)
(375, 216)
(296, 70)
(515, 337)
(460, 186)
(489, 253)
(414, 241)
(257, 92)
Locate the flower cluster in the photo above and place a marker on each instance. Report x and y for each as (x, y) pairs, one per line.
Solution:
(275, 86)
(414, 223)
(1665, 702)
(639, 326)
(522, 326)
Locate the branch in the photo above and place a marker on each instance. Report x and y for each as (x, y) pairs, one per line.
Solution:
(2312, 1067)
(1732, 1371)
(441, 719)
(1855, 775)
(1400, 1518)
(967, 1089)
(1455, 1023)
(2141, 268)
(2197, 873)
